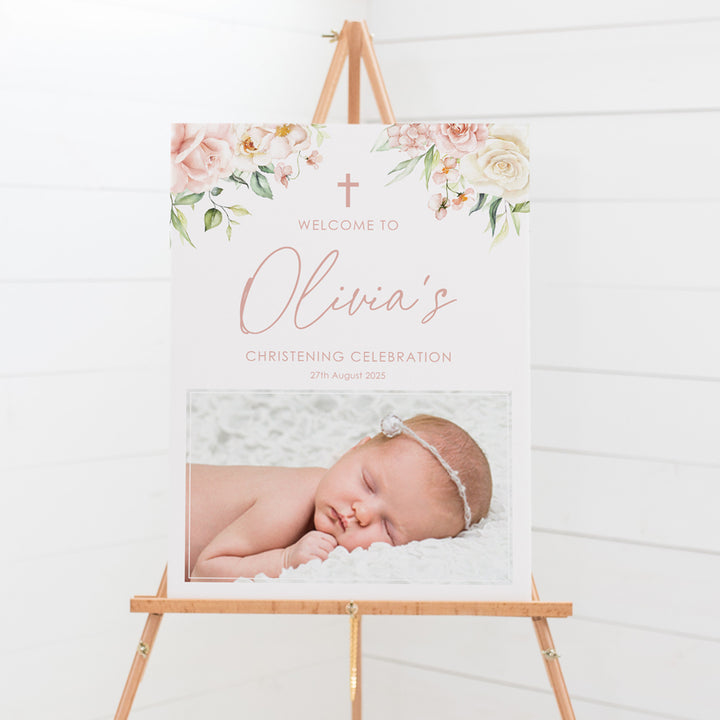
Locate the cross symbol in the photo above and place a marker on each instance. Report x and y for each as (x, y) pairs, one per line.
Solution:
(347, 185)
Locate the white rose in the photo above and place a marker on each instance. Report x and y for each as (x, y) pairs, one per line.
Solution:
(502, 166)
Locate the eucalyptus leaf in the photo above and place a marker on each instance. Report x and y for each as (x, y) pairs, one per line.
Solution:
(216, 191)
(260, 186)
(429, 161)
(212, 218)
(239, 210)
(501, 235)
(403, 169)
(188, 198)
(177, 224)
(494, 205)
(478, 203)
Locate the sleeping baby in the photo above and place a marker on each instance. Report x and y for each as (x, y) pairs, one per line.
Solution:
(421, 478)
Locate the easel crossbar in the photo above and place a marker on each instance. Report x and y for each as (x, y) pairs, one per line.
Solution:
(535, 609)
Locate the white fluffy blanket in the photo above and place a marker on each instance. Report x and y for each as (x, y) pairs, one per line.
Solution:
(314, 429)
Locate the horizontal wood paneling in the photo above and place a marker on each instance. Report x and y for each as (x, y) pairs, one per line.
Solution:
(65, 234)
(557, 73)
(641, 418)
(68, 418)
(630, 584)
(635, 500)
(635, 330)
(600, 661)
(60, 326)
(636, 244)
(391, 22)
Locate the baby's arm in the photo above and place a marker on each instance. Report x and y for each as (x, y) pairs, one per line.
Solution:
(269, 535)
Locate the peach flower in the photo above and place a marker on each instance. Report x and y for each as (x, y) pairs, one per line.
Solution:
(413, 138)
(458, 138)
(314, 159)
(199, 156)
(283, 173)
(502, 166)
(447, 173)
(284, 140)
(462, 198)
(438, 204)
(251, 148)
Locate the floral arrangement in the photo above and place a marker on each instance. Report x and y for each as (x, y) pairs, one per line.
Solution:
(207, 160)
(474, 165)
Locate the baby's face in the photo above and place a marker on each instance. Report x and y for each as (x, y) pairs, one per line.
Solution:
(392, 492)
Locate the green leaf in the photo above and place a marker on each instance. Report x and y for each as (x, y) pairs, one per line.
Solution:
(216, 191)
(494, 205)
(188, 198)
(516, 222)
(523, 207)
(228, 232)
(382, 143)
(178, 225)
(239, 210)
(267, 168)
(181, 216)
(238, 179)
(403, 169)
(478, 203)
(260, 185)
(213, 217)
(429, 161)
(501, 235)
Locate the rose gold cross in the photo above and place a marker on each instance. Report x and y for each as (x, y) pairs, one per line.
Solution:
(347, 185)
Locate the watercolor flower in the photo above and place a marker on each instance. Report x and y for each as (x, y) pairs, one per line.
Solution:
(283, 173)
(438, 204)
(283, 140)
(462, 198)
(251, 148)
(502, 166)
(199, 156)
(458, 138)
(448, 172)
(413, 138)
(314, 159)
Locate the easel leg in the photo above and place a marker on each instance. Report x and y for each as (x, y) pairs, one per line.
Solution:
(552, 663)
(137, 669)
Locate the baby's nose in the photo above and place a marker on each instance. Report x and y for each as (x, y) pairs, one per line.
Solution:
(363, 513)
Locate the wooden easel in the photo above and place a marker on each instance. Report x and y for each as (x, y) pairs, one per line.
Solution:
(355, 43)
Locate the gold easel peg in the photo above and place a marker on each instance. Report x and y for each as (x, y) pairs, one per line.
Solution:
(143, 649)
(332, 36)
(551, 654)
(352, 610)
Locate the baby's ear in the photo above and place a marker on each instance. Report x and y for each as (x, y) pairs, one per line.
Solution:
(362, 442)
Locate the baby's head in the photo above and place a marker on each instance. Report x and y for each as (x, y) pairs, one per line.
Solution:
(395, 490)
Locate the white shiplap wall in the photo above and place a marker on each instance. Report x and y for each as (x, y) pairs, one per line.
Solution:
(624, 108)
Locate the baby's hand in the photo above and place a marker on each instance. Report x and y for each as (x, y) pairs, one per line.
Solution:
(314, 544)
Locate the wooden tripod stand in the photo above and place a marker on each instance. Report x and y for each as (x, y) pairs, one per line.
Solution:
(354, 43)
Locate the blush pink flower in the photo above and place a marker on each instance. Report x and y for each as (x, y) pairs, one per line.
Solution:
(438, 204)
(314, 159)
(447, 173)
(413, 138)
(458, 138)
(199, 156)
(462, 198)
(283, 173)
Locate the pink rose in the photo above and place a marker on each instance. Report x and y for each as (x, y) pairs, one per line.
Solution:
(199, 156)
(413, 138)
(458, 139)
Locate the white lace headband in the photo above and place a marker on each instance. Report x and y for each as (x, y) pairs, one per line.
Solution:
(391, 426)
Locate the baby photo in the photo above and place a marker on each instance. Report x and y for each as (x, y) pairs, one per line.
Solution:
(343, 487)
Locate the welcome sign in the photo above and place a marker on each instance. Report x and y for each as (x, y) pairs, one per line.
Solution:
(350, 391)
